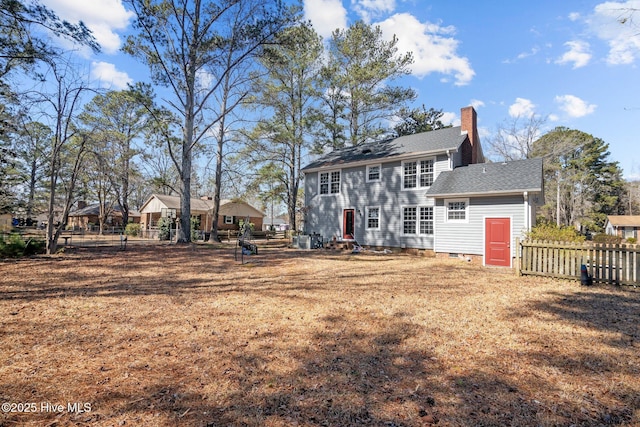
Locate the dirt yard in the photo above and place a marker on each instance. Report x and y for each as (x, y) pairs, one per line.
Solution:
(186, 336)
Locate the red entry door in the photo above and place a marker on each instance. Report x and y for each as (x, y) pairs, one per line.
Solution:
(497, 249)
(348, 224)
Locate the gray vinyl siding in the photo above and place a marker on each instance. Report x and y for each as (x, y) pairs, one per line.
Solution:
(468, 238)
(324, 212)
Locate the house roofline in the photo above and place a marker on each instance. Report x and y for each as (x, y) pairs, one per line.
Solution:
(485, 194)
(401, 157)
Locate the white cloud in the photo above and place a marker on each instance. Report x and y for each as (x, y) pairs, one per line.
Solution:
(476, 103)
(450, 118)
(578, 54)
(522, 108)
(611, 22)
(434, 50)
(103, 17)
(574, 16)
(574, 106)
(371, 9)
(325, 15)
(109, 76)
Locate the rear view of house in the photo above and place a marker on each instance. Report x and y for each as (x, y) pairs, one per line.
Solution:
(430, 190)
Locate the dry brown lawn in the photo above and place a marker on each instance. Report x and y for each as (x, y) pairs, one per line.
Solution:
(186, 336)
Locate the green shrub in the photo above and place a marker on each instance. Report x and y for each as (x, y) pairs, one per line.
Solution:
(14, 246)
(632, 240)
(551, 232)
(132, 229)
(164, 228)
(607, 238)
(195, 228)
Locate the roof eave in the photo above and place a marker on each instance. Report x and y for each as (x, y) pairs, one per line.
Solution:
(406, 156)
(485, 193)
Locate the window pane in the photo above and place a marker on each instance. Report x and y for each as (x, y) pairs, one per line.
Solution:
(373, 220)
(456, 210)
(410, 178)
(426, 220)
(374, 173)
(335, 182)
(409, 220)
(426, 173)
(324, 183)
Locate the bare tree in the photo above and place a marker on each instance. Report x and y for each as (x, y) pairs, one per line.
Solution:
(59, 100)
(513, 139)
(185, 45)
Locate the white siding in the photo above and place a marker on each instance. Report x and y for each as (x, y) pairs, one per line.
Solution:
(468, 238)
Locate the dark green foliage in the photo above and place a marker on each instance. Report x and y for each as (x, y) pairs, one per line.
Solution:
(14, 245)
(359, 98)
(418, 120)
(580, 177)
(20, 43)
(195, 228)
(164, 228)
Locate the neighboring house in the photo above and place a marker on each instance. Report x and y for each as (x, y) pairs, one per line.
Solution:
(86, 216)
(231, 212)
(380, 194)
(278, 224)
(625, 226)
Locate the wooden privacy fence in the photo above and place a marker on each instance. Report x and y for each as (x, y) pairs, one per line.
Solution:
(606, 263)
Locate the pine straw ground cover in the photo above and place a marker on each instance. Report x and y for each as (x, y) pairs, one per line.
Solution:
(186, 336)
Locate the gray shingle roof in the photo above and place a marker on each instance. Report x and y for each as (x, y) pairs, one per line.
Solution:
(439, 140)
(489, 178)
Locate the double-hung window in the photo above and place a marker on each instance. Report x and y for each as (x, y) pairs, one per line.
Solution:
(329, 182)
(456, 210)
(417, 220)
(409, 217)
(417, 174)
(409, 175)
(426, 220)
(373, 173)
(373, 218)
(426, 173)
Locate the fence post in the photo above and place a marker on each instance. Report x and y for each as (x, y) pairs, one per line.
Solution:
(518, 248)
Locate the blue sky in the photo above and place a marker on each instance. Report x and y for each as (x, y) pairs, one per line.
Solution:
(572, 61)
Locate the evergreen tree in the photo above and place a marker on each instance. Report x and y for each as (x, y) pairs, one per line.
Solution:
(581, 183)
(359, 98)
(418, 120)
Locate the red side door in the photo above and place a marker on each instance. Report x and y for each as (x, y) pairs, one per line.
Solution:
(348, 224)
(497, 249)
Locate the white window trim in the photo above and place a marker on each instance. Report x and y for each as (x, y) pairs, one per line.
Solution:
(329, 173)
(417, 220)
(466, 211)
(230, 219)
(417, 162)
(366, 218)
(379, 166)
(433, 221)
(402, 208)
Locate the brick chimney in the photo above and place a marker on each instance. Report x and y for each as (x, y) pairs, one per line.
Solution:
(469, 124)
(82, 204)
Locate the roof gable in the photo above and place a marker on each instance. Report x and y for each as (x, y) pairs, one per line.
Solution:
(624, 220)
(489, 178)
(227, 207)
(436, 141)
